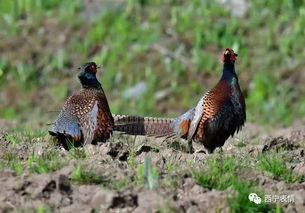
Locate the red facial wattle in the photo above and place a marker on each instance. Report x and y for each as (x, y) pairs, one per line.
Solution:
(93, 69)
(230, 53)
(233, 57)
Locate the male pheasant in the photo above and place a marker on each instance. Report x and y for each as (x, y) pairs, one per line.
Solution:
(219, 114)
(85, 117)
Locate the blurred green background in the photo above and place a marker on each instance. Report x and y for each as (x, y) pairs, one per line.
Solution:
(158, 57)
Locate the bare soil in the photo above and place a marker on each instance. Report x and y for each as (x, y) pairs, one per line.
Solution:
(178, 191)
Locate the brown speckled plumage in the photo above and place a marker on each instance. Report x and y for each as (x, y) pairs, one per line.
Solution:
(213, 101)
(85, 116)
(219, 113)
(82, 103)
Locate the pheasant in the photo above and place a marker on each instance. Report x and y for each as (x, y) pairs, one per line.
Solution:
(85, 117)
(219, 114)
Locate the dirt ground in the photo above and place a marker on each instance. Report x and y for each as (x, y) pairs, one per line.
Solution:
(178, 191)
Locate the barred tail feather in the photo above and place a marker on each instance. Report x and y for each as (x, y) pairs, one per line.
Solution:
(136, 125)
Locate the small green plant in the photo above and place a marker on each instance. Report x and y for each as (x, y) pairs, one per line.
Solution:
(132, 158)
(178, 62)
(221, 174)
(170, 167)
(13, 137)
(31, 134)
(140, 174)
(13, 161)
(115, 186)
(19, 135)
(82, 176)
(147, 174)
(70, 144)
(274, 163)
(49, 162)
(150, 173)
(165, 209)
(77, 153)
(241, 203)
(9, 113)
(43, 209)
(2, 165)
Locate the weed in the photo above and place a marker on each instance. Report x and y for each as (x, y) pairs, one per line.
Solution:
(69, 144)
(14, 137)
(175, 53)
(77, 153)
(221, 174)
(16, 166)
(115, 186)
(13, 161)
(241, 203)
(147, 174)
(49, 162)
(169, 169)
(166, 209)
(43, 209)
(82, 176)
(140, 174)
(132, 158)
(19, 135)
(274, 163)
(150, 173)
(2, 165)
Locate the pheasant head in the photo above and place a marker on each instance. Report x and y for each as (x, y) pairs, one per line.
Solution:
(87, 75)
(229, 56)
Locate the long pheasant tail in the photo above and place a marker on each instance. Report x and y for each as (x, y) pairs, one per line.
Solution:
(136, 125)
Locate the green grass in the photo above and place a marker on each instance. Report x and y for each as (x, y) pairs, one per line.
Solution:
(117, 185)
(19, 135)
(132, 158)
(46, 163)
(13, 162)
(2, 165)
(169, 47)
(275, 163)
(77, 153)
(84, 176)
(147, 174)
(43, 209)
(221, 173)
(170, 169)
(241, 203)
(166, 209)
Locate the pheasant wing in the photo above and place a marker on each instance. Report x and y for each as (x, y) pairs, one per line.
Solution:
(88, 123)
(105, 120)
(181, 125)
(66, 124)
(197, 115)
